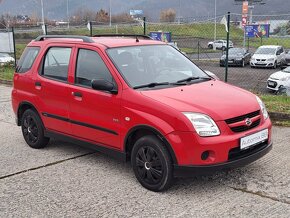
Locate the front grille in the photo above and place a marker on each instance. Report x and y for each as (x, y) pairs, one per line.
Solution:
(261, 59)
(236, 153)
(244, 127)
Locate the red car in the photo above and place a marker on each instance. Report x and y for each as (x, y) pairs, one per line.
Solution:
(139, 100)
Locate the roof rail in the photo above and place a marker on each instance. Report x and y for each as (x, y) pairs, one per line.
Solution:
(84, 38)
(124, 35)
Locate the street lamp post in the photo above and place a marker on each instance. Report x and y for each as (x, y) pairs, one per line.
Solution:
(42, 12)
(214, 20)
(67, 13)
(110, 11)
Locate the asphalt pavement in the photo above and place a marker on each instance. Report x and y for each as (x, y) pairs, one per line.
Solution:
(67, 180)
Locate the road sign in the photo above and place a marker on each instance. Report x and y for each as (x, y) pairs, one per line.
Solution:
(245, 7)
(257, 30)
(161, 36)
(244, 20)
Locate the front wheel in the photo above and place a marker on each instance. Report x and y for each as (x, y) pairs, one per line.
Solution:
(33, 130)
(243, 63)
(152, 164)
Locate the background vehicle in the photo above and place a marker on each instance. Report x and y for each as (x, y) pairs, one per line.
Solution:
(137, 99)
(5, 58)
(220, 44)
(287, 58)
(237, 57)
(279, 79)
(268, 56)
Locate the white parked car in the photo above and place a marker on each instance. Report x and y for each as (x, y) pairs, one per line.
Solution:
(220, 44)
(268, 56)
(279, 79)
(5, 58)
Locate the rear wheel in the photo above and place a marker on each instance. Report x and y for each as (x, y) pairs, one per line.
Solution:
(152, 164)
(33, 130)
(243, 63)
(210, 46)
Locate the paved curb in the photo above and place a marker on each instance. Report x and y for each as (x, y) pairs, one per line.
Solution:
(6, 82)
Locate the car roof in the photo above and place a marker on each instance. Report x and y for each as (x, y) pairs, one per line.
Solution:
(108, 42)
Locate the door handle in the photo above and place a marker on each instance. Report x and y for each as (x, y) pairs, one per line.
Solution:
(77, 94)
(37, 85)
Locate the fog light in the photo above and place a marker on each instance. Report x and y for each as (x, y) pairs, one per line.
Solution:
(205, 155)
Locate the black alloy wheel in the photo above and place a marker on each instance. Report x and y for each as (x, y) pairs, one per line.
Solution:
(152, 164)
(32, 130)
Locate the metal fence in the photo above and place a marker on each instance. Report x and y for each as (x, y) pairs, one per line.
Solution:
(192, 36)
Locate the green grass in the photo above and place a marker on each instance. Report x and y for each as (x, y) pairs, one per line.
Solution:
(277, 103)
(6, 72)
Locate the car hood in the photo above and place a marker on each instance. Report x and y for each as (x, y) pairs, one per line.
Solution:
(279, 75)
(263, 56)
(214, 98)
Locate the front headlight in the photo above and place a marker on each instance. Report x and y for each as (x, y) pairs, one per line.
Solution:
(263, 108)
(203, 124)
(271, 59)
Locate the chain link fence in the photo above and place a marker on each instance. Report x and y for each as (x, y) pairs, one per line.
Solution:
(199, 38)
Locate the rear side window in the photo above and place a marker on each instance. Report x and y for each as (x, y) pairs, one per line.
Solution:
(56, 63)
(27, 59)
(91, 66)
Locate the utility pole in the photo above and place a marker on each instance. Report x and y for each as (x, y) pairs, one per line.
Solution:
(42, 12)
(67, 13)
(110, 11)
(214, 20)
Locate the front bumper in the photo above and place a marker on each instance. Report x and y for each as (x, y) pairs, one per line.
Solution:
(262, 63)
(232, 62)
(250, 156)
(275, 84)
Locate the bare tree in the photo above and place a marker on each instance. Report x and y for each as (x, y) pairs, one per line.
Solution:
(167, 15)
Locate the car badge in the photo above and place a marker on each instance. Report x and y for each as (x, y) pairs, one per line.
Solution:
(248, 122)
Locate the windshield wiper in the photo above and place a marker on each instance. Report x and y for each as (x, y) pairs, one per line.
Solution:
(151, 85)
(188, 79)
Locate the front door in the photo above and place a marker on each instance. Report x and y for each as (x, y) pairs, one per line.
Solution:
(95, 115)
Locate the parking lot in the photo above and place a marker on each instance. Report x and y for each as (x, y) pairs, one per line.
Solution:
(67, 180)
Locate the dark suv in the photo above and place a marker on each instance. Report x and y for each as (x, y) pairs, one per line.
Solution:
(140, 100)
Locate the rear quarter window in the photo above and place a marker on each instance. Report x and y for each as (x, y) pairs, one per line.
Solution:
(27, 59)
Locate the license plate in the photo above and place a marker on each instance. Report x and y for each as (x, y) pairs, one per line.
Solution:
(271, 83)
(260, 62)
(254, 139)
(230, 61)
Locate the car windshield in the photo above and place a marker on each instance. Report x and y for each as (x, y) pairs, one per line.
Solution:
(236, 51)
(286, 70)
(154, 64)
(270, 51)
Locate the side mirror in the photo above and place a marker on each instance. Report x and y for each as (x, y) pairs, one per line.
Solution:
(104, 85)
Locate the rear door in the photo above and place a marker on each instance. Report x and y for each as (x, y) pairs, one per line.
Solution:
(53, 88)
(95, 115)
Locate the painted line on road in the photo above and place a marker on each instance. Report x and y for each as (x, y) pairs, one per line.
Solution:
(259, 193)
(46, 165)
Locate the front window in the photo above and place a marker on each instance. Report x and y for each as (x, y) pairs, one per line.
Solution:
(141, 65)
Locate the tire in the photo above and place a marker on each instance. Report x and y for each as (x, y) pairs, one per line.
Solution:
(152, 164)
(243, 63)
(210, 46)
(223, 48)
(33, 130)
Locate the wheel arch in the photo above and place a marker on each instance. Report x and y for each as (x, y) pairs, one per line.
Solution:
(23, 106)
(137, 132)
